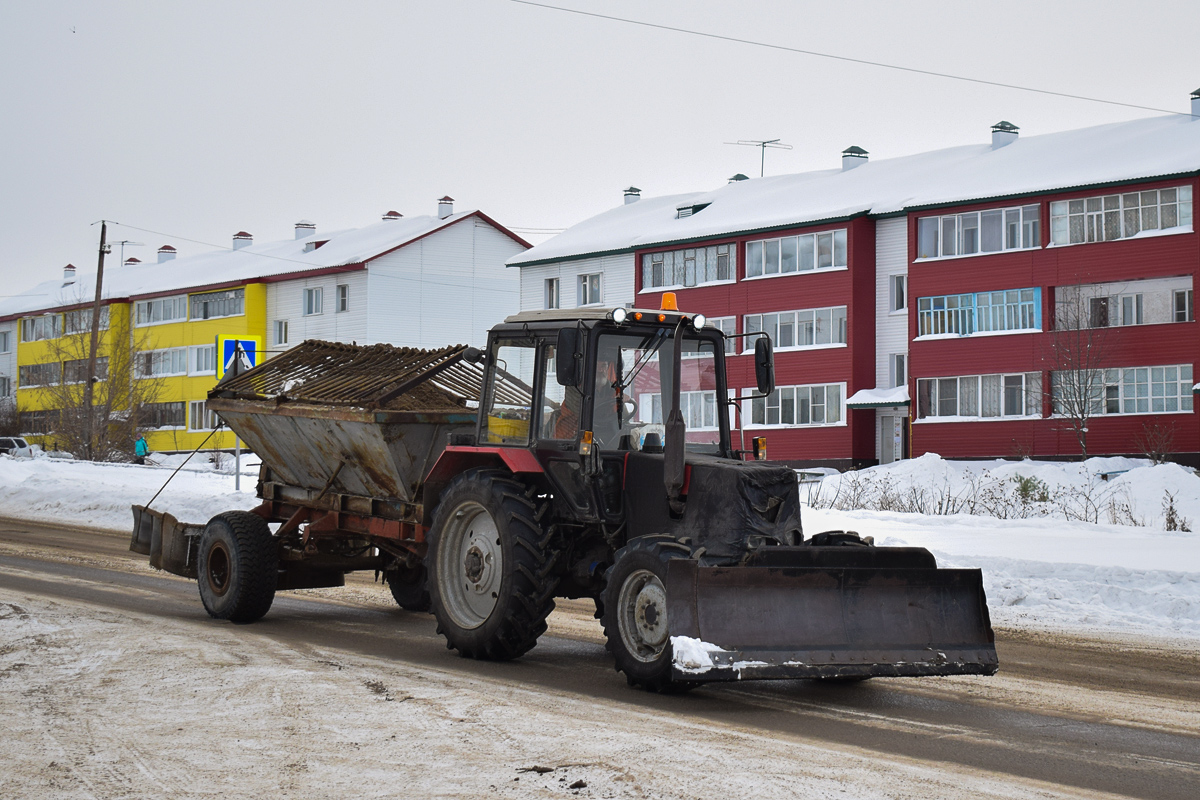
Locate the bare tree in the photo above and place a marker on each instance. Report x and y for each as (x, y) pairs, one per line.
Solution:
(1156, 442)
(1078, 354)
(119, 397)
(9, 425)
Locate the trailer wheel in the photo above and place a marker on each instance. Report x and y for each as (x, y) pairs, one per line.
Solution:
(635, 612)
(238, 567)
(408, 588)
(489, 566)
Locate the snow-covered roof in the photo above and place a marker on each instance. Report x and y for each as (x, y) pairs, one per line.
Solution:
(878, 398)
(1121, 151)
(342, 248)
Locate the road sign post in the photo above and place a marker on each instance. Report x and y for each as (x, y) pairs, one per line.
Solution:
(236, 355)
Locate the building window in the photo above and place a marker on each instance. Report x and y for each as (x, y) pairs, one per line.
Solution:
(552, 298)
(800, 405)
(5, 386)
(991, 231)
(343, 297)
(897, 296)
(1184, 310)
(47, 374)
(281, 331)
(589, 289)
(811, 327)
(691, 267)
(313, 301)
(211, 305)
(76, 370)
(898, 369)
(162, 309)
(163, 363)
(1119, 216)
(981, 312)
(4, 343)
(80, 320)
(788, 254)
(699, 409)
(37, 422)
(727, 326)
(1128, 390)
(200, 418)
(36, 329)
(203, 360)
(162, 415)
(981, 396)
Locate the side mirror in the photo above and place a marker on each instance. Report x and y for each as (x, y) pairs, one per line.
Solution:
(568, 357)
(764, 365)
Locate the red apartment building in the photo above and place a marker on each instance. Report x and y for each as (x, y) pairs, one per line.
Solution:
(981, 301)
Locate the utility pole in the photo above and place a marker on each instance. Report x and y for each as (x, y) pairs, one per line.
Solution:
(89, 383)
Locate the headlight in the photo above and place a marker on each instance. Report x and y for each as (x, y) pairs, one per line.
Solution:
(699, 321)
(619, 315)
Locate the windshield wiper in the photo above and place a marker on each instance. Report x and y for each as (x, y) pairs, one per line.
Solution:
(659, 338)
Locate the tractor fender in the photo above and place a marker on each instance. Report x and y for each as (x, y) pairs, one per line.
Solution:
(457, 459)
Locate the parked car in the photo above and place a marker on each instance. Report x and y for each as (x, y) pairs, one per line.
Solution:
(15, 446)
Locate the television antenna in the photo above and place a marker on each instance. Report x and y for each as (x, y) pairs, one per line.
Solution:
(762, 145)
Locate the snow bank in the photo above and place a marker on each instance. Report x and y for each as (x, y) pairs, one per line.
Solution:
(100, 495)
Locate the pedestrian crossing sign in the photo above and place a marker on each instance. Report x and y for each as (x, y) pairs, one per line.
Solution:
(238, 354)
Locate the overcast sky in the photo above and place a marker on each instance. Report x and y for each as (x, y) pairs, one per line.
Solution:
(198, 120)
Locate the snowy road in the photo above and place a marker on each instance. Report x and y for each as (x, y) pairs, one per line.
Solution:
(114, 683)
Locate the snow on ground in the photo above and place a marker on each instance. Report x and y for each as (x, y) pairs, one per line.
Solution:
(1041, 570)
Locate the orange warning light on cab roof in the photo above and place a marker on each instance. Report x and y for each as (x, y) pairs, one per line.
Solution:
(669, 303)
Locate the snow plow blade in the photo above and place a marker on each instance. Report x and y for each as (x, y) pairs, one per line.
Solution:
(892, 613)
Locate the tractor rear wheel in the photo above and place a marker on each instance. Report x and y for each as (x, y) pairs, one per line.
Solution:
(635, 612)
(490, 566)
(238, 567)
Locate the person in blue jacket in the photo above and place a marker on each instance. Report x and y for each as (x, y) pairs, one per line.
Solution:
(140, 450)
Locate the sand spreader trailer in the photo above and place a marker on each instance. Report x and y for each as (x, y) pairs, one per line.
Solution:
(584, 453)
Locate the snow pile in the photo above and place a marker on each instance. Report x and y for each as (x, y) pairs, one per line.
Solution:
(692, 655)
(100, 495)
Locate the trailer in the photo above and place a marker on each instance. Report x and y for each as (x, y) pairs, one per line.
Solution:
(583, 453)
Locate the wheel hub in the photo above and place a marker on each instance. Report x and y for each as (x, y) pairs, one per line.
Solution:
(471, 570)
(218, 569)
(642, 615)
(651, 614)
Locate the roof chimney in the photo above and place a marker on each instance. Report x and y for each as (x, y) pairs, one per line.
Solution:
(445, 207)
(1196, 105)
(304, 229)
(68, 274)
(392, 216)
(738, 178)
(853, 156)
(242, 239)
(632, 195)
(1003, 133)
(165, 253)
(132, 261)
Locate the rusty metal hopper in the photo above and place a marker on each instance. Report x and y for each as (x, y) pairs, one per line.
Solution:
(362, 420)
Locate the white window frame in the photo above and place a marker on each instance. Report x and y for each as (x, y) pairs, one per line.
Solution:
(1121, 215)
(552, 293)
(584, 290)
(281, 331)
(237, 297)
(5, 386)
(5, 346)
(974, 388)
(1020, 229)
(195, 358)
(838, 334)
(759, 252)
(41, 328)
(172, 356)
(693, 266)
(751, 403)
(1130, 391)
(313, 301)
(1189, 309)
(208, 419)
(176, 307)
(727, 326)
(343, 297)
(897, 294)
(898, 370)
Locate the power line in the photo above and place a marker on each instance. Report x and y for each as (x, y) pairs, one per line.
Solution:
(864, 61)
